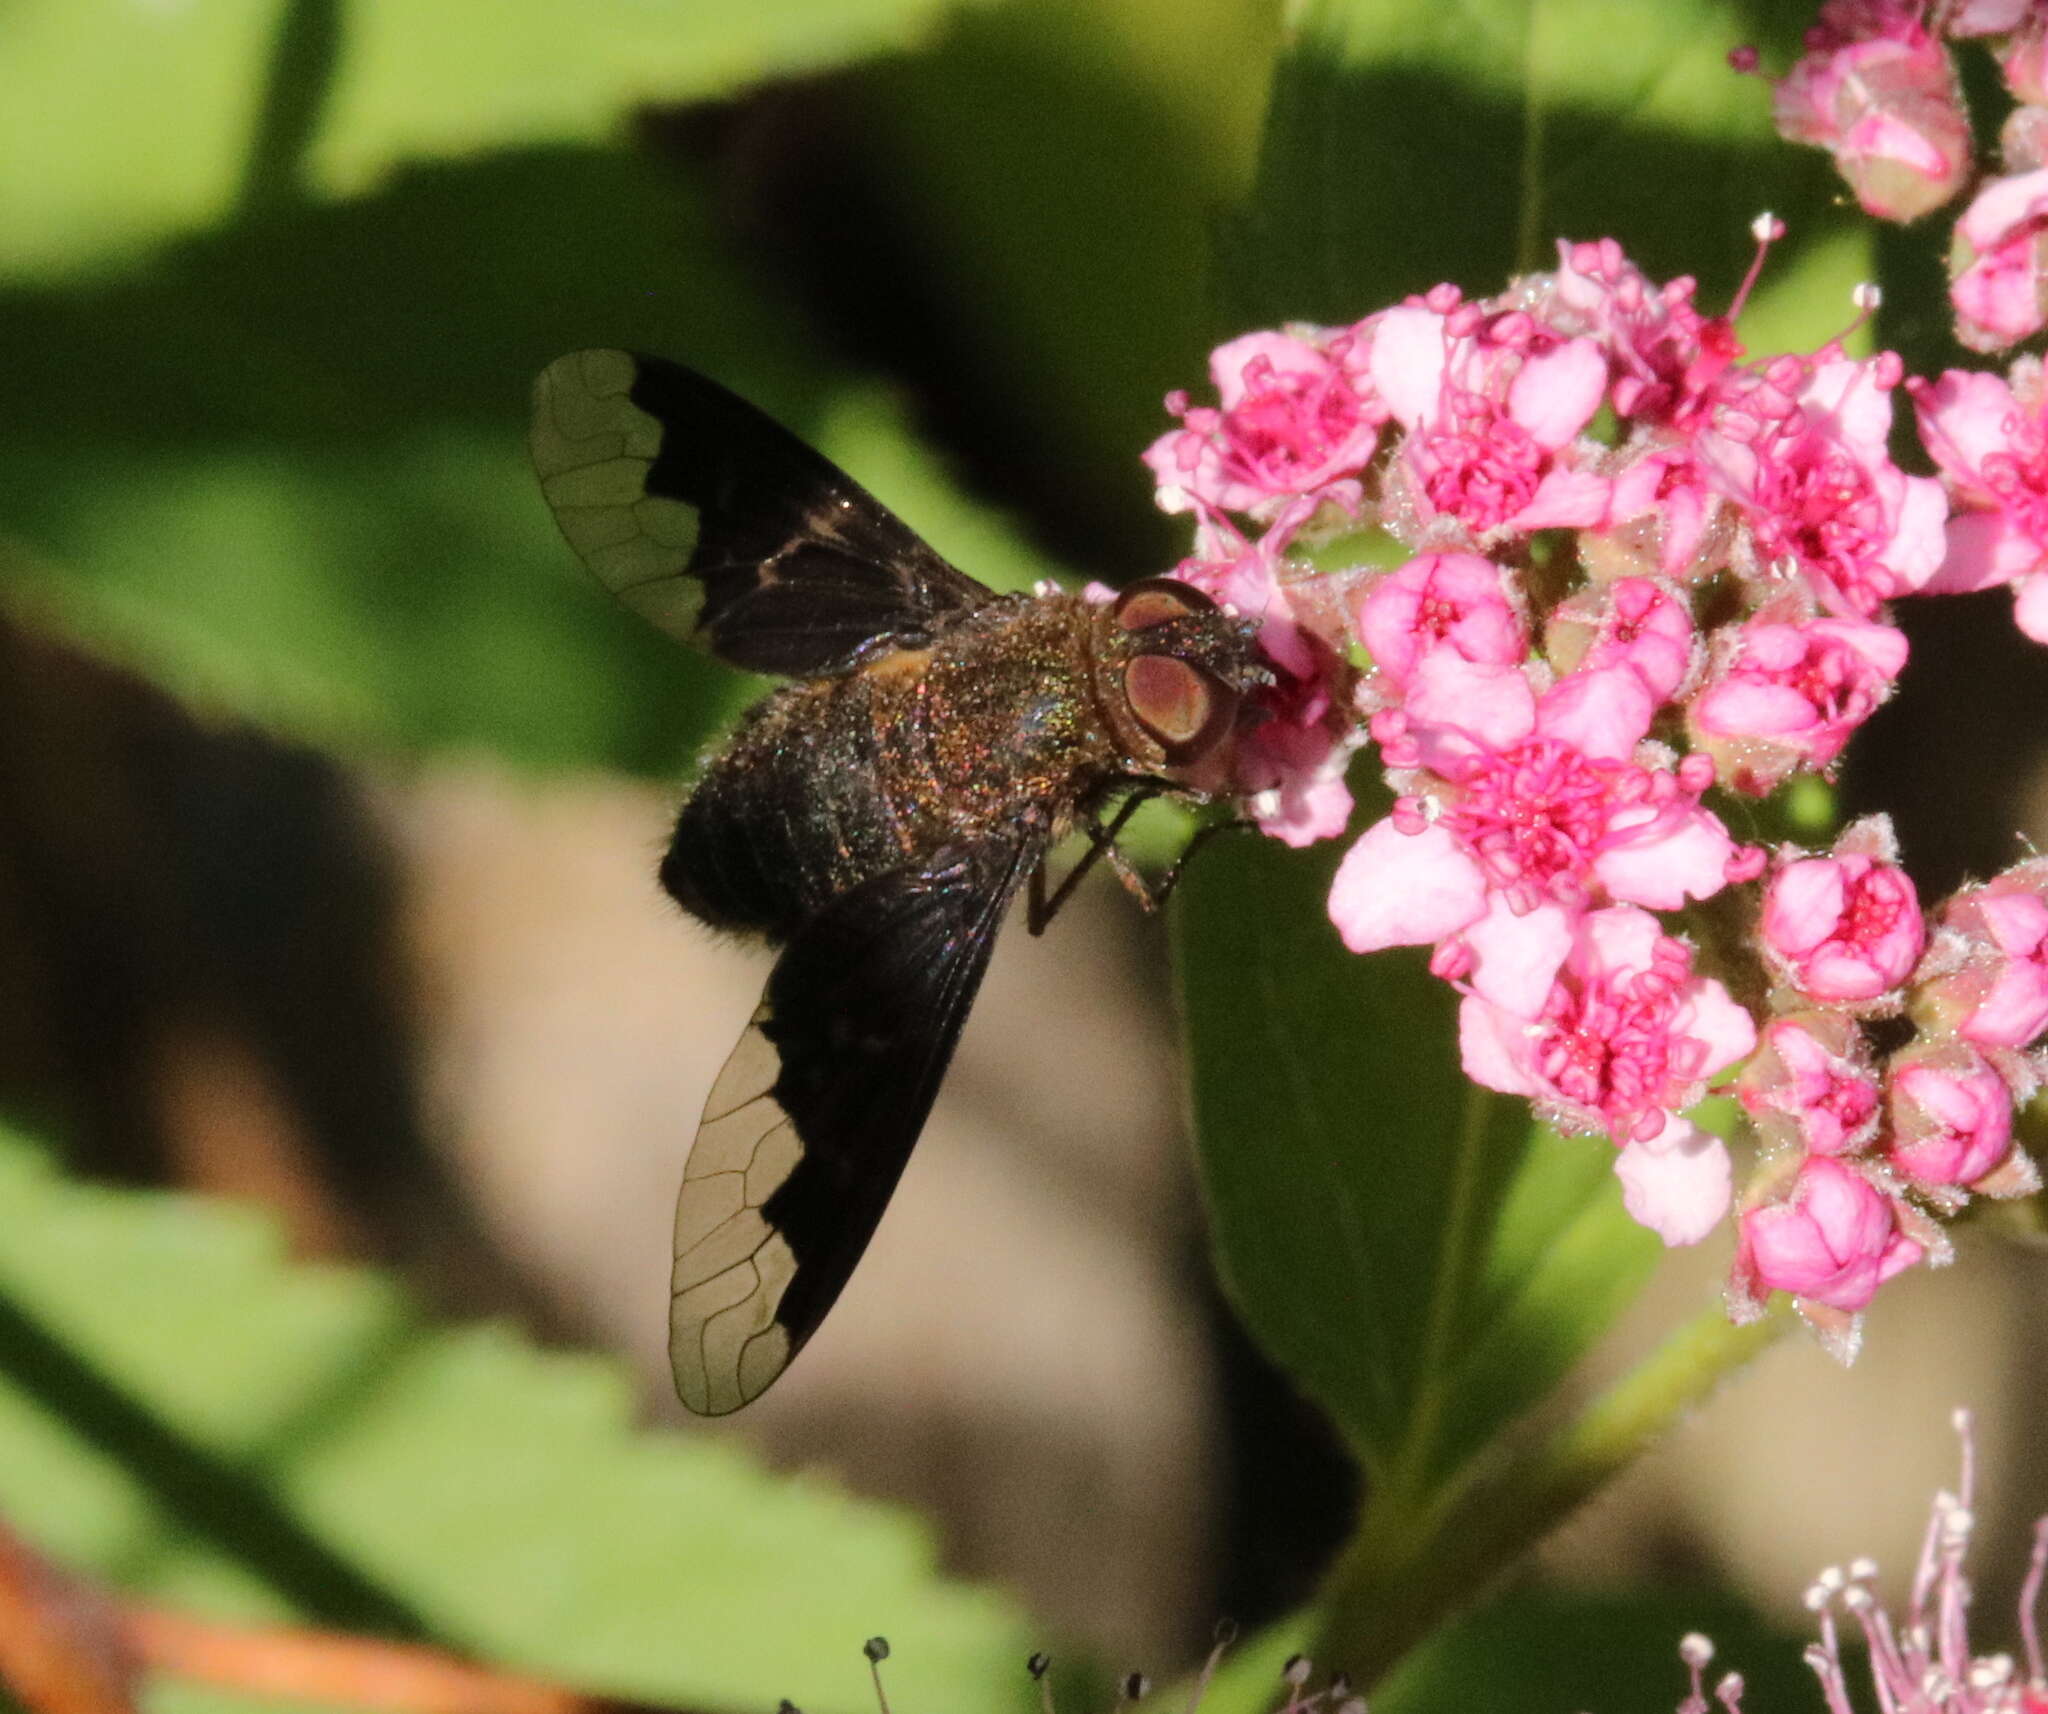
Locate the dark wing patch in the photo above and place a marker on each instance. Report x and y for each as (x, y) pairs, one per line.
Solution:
(724, 529)
(810, 1123)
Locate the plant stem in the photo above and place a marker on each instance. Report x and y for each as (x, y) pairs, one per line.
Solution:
(1416, 1560)
(304, 56)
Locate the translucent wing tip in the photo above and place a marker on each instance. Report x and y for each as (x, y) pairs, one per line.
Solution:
(593, 449)
(731, 1266)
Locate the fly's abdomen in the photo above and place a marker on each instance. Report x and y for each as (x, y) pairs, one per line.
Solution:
(785, 818)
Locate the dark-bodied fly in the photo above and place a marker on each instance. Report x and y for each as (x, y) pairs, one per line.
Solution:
(873, 819)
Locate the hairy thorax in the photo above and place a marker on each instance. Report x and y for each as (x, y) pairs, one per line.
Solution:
(829, 783)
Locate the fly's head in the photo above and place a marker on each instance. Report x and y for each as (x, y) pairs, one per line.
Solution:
(1171, 674)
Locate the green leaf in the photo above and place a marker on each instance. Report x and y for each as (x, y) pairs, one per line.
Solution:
(1072, 260)
(283, 470)
(187, 1415)
(464, 75)
(1424, 1262)
(120, 123)
(1408, 144)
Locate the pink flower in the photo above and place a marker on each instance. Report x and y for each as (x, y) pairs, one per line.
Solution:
(1244, 576)
(2024, 62)
(2023, 138)
(2014, 1011)
(1990, 437)
(1781, 697)
(1664, 353)
(1877, 91)
(1994, 991)
(1677, 1182)
(1961, 19)
(1449, 600)
(1638, 622)
(1535, 801)
(1295, 416)
(1919, 1658)
(1290, 765)
(1664, 515)
(1951, 1117)
(1491, 407)
(1800, 447)
(1996, 265)
(1811, 1085)
(1833, 1240)
(1845, 928)
(1627, 1036)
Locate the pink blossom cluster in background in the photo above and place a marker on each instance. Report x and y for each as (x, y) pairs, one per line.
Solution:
(1877, 88)
(1921, 1659)
(1918, 1660)
(1586, 576)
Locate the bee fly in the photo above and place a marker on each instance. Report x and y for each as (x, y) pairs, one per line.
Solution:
(873, 819)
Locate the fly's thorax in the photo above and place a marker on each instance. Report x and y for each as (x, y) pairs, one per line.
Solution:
(995, 718)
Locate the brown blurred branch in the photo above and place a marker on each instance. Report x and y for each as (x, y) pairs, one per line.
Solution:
(66, 1648)
(61, 1650)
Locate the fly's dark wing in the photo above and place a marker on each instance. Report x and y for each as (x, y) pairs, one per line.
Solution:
(723, 528)
(808, 1127)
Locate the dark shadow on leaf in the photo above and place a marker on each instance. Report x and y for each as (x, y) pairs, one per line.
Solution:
(305, 437)
(1362, 164)
(211, 1497)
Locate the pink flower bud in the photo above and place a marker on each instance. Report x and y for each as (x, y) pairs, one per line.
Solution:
(1812, 1085)
(1961, 19)
(1637, 622)
(1992, 985)
(1663, 518)
(2024, 62)
(1842, 929)
(1996, 264)
(1951, 1117)
(1782, 697)
(1879, 93)
(1834, 1240)
(2023, 138)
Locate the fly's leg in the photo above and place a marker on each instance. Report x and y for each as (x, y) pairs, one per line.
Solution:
(1040, 909)
(1202, 835)
(1102, 846)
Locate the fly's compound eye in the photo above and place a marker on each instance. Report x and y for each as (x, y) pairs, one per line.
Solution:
(1156, 600)
(1188, 710)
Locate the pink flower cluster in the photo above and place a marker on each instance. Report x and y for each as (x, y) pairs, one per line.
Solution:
(1861, 1149)
(1877, 88)
(1580, 572)
(1989, 435)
